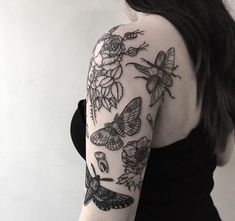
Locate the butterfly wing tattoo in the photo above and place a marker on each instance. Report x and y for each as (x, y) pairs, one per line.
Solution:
(127, 123)
(104, 198)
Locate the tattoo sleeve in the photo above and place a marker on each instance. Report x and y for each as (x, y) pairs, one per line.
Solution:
(120, 141)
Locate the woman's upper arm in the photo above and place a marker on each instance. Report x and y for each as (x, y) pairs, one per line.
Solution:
(123, 98)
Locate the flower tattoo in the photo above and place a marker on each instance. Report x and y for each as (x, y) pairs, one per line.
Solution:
(134, 156)
(105, 70)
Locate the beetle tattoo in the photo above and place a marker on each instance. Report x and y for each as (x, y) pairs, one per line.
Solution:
(159, 76)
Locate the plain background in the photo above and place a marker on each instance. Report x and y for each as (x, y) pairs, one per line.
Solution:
(45, 46)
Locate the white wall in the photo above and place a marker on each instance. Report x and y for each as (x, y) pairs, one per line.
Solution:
(45, 47)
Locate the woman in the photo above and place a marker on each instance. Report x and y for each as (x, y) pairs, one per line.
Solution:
(160, 112)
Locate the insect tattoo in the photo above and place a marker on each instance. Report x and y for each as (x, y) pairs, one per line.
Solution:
(150, 120)
(104, 198)
(101, 161)
(104, 89)
(134, 157)
(159, 76)
(127, 123)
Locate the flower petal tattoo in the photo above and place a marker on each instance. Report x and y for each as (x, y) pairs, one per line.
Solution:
(134, 157)
(104, 198)
(159, 76)
(103, 87)
(127, 123)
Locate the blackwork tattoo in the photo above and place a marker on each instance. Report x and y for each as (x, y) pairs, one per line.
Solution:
(127, 123)
(134, 156)
(102, 161)
(159, 76)
(105, 70)
(104, 198)
(150, 120)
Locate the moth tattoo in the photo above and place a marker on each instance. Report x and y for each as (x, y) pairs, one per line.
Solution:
(127, 123)
(101, 161)
(159, 76)
(104, 198)
(104, 88)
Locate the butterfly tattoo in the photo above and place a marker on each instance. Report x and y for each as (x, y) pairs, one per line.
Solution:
(159, 76)
(127, 123)
(104, 198)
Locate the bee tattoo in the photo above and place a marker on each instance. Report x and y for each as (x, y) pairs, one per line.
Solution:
(104, 198)
(127, 123)
(159, 76)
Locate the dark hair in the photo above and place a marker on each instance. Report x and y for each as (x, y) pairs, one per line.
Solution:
(208, 30)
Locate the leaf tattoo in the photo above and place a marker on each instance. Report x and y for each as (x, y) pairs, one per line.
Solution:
(159, 76)
(104, 89)
(104, 198)
(101, 161)
(127, 123)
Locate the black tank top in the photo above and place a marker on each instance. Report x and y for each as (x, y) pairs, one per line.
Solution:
(178, 178)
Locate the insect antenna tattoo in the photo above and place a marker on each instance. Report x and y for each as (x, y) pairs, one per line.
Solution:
(104, 198)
